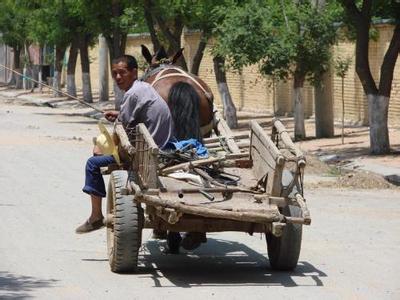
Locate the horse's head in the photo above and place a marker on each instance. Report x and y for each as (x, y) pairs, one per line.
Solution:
(160, 57)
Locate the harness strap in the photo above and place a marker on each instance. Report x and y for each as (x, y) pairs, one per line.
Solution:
(207, 128)
(160, 75)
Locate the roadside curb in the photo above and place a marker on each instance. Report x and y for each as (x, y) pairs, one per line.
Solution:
(389, 173)
(37, 99)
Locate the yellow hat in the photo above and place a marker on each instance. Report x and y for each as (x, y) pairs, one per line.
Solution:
(106, 143)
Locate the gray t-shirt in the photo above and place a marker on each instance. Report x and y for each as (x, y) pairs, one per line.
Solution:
(142, 104)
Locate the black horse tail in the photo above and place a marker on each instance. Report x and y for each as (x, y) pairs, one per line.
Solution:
(184, 104)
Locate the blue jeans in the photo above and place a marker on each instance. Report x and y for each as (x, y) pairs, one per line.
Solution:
(94, 182)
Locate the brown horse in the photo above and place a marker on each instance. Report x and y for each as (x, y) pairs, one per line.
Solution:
(189, 97)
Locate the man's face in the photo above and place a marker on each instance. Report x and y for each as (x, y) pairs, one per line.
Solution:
(122, 76)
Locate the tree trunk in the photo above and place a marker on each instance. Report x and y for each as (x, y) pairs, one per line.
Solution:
(173, 37)
(17, 67)
(229, 112)
(148, 7)
(71, 66)
(116, 46)
(323, 96)
(324, 117)
(58, 70)
(118, 93)
(40, 75)
(343, 107)
(378, 120)
(85, 65)
(299, 128)
(103, 69)
(27, 71)
(378, 99)
(199, 53)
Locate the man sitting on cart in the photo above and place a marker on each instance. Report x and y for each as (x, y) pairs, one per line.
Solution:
(141, 104)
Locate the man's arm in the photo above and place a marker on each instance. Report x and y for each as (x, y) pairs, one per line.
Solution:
(133, 110)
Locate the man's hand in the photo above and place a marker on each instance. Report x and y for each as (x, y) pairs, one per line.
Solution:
(111, 115)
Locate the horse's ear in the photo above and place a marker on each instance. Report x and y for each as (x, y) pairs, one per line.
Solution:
(161, 53)
(146, 53)
(177, 55)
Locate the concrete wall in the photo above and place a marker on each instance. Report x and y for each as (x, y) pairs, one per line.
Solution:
(6, 59)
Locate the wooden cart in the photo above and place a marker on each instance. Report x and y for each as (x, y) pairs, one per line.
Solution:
(267, 199)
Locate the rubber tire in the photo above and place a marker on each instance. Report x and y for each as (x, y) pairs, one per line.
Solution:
(125, 237)
(284, 251)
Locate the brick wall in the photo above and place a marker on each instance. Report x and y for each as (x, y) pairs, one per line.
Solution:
(252, 92)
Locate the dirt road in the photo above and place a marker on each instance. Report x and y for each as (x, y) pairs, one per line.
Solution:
(351, 251)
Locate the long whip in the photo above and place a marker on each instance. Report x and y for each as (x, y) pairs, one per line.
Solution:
(54, 89)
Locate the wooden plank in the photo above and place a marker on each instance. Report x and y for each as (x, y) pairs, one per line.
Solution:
(237, 155)
(225, 131)
(257, 130)
(195, 163)
(146, 158)
(287, 141)
(215, 139)
(220, 189)
(238, 163)
(242, 144)
(189, 223)
(267, 159)
(148, 138)
(262, 159)
(273, 216)
(124, 143)
(306, 213)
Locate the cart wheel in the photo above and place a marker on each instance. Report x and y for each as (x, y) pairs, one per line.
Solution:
(124, 234)
(284, 251)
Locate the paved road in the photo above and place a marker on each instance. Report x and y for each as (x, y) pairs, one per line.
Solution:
(351, 251)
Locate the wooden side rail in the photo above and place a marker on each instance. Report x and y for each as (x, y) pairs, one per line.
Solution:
(123, 140)
(226, 132)
(279, 129)
(268, 162)
(145, 162)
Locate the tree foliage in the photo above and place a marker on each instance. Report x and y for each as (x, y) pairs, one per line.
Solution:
(49, 23)
(285, 38)
(360, 15)
(13, 23)
(114, 19)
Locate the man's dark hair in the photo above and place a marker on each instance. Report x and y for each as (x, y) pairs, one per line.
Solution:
(130, 61)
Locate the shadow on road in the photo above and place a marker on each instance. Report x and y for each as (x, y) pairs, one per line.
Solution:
(221, 262)
(18, 287)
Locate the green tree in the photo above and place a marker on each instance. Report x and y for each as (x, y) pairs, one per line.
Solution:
(85, 30)
(114, 19)
(169, 19)
(342, 66)
(287, 39)
(166, 21)
(360, 15)
(14, 28)
(49, 25)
